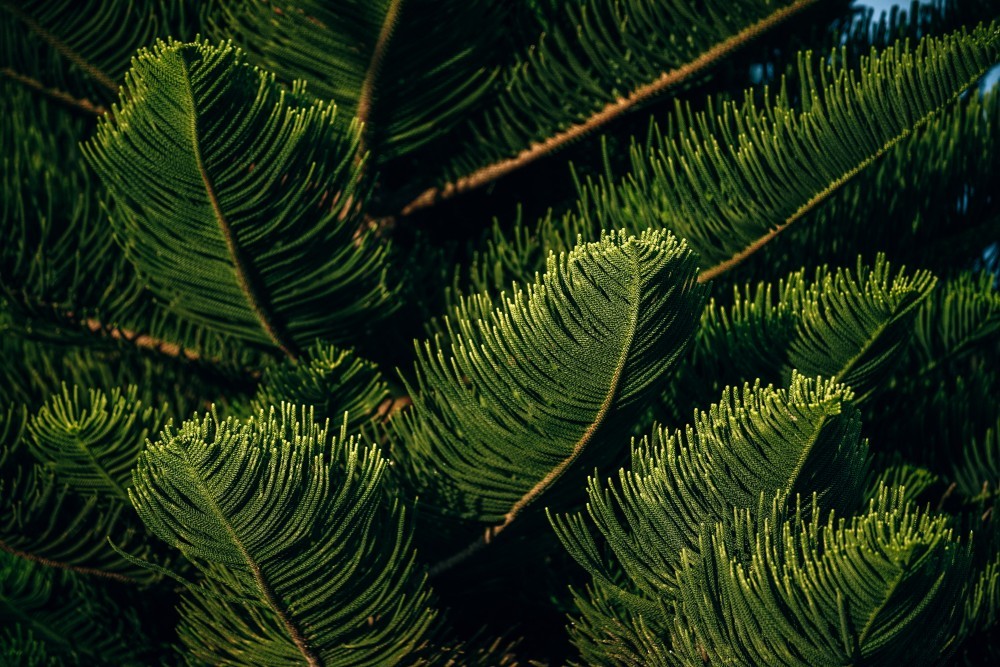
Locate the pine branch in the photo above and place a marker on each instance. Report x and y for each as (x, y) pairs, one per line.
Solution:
(495, 423)
(245, 272)
(732, 182)
(280, 267)
(715, 271)
(624, 104)
(302, 557)
(559, 469)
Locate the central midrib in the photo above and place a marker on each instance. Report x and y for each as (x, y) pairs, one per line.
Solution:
(241, 264)
(295, 634)
(602, 412)
(550, 478)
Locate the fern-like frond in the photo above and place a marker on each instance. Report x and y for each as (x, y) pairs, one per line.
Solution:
(234, 200)
(73, 53)
(517, 395)
(982, 600)
(77, 624)
(93, 444)
(912, 481)
(303, 560)
(47, 521)
(961, 316)
(330, 380)
(608, 631)
(733, 178)
(923, 203)
(603, 60)
(853, 324)
(761, 440)
(58, 249)
(883, 588)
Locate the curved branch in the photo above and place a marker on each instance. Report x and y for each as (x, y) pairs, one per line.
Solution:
(613, 110)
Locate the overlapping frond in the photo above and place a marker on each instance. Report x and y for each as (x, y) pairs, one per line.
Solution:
(330, 380)
(731, 179)
(982, 601)
(408, 69)
(602, 59)
(911, 480)
(801, 441)
(962, 316)
(854, 323)
(76, 623)
(236, 201)
(19, 646)
(944, 395)
(57, 248)
(303, 559)
(62, 489)
(882, 588)
(516, 395)
(93, 444)
(849, 325)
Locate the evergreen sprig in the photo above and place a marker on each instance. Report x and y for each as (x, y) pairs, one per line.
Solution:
(303, 562)
(231, 131)
(510, 399)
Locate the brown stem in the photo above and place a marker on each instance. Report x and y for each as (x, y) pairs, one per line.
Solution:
(388, 408)
(946, 495)
(34, 558)
(241, 264)
(77, 103)
(64, 49)
(666, 80)
(144, 341)
(374, 67)
(555, 473)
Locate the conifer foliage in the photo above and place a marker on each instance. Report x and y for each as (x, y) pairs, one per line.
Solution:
(428, 332)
